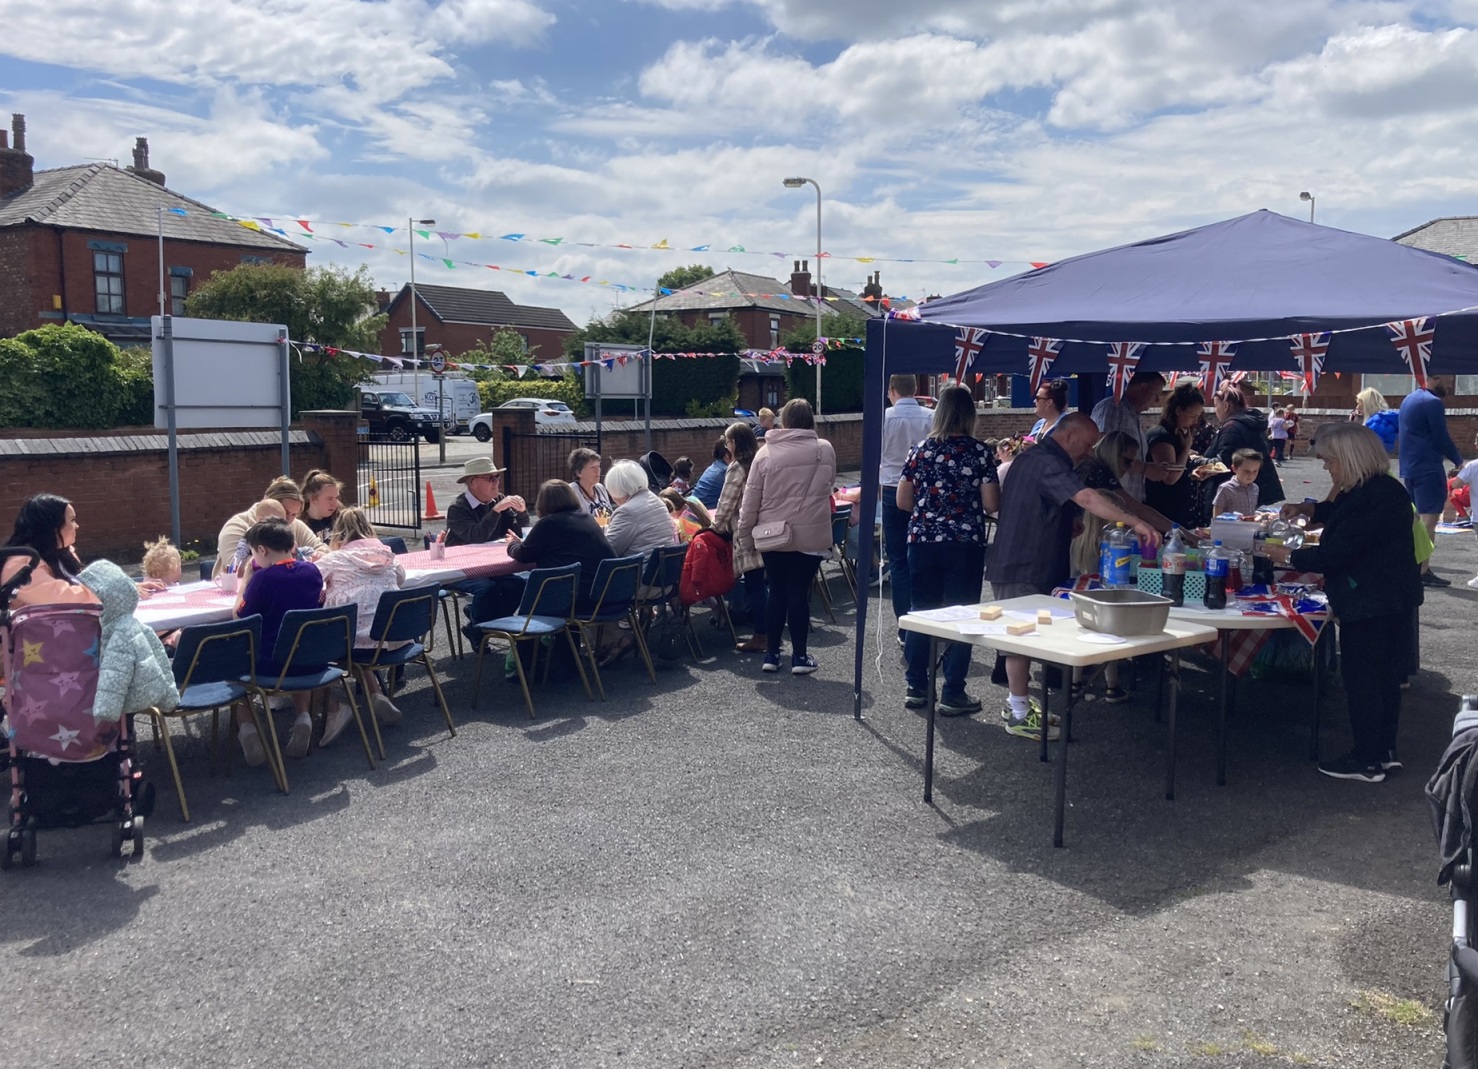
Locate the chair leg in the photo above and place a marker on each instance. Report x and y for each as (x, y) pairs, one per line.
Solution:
(482, 644)
(523, 680)
(641, 644)
(364, 677)
(440, 697)
(825, 597)
(695, 647)
(584, 679)
(161, 728)
(723, 609)
(358, 720)
(589, 644)
(274, 751)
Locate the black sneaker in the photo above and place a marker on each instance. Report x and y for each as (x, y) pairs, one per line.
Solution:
(958, 705)
(1391, 763)
(1351, 767)
(1430, 578)
(915, 699)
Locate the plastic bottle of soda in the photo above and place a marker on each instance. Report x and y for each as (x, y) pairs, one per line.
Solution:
(1173, 567)
(1218, 567)
(1117, 557)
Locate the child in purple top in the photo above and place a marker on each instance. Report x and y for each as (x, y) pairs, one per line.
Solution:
(279, 583)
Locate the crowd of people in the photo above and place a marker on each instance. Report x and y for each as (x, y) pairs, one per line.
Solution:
(771, 496)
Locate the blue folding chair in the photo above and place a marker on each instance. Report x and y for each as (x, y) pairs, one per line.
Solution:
(214, 667)
(207, 565)
(451, 612)
(547, 602)
(402, 620)
(614, 599)
(396, 544)
(662, 579)
(311, 646)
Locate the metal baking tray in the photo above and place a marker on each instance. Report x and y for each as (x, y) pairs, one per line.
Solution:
(1121, 612)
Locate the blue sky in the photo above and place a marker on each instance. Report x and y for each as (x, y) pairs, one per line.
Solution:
(1013, 130)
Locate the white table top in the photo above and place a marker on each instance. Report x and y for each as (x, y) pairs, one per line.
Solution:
(1232, 619)
(1062, 642)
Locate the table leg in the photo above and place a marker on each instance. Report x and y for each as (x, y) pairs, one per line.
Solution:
(1174, 690)
(1046, 709)
(929, 740)
(1318, 691)
(1159, 686)
(1221, 727)
(1067, 727)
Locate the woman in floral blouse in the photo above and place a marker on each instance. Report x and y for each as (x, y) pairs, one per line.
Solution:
(949, 483)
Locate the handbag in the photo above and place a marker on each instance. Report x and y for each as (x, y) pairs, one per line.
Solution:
(772, 537)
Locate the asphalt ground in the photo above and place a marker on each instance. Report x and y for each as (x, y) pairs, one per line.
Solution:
(726, 870)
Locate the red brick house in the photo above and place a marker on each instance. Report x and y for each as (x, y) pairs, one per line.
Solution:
(458, 319)
(80, 244)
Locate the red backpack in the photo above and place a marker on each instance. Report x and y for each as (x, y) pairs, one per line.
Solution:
(708, 571)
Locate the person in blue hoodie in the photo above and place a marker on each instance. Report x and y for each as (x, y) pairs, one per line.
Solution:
(1423, 442)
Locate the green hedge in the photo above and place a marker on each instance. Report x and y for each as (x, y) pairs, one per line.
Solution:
(568, 390)
(66, 376)
(841, 381)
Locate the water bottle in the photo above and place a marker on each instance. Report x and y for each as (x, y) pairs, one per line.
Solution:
(1105, 554)
(1218, 568)
(1116, 568)
(1173, 565)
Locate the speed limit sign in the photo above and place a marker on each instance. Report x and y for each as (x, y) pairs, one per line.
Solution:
(818, 346)
(438, 363)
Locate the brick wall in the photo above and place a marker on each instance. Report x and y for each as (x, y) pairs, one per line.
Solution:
(56, 271)
(120, 483)
(458, 338)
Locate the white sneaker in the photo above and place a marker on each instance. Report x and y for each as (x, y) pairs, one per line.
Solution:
(334, 725)
(251, 747)
(280, 703)
(301, 738)
(1473, 582)
(385, 710)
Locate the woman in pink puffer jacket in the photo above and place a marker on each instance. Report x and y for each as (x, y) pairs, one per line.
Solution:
(786, 514)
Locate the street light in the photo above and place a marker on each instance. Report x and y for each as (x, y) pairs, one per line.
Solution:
(410, 228)
(797, 183)
(1306, 195)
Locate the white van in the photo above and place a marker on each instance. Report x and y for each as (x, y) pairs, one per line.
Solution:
(463, 402)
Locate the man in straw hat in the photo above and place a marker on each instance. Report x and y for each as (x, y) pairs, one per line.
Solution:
(483, 513)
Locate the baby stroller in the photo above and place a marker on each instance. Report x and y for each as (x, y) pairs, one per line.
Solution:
(1452, 793)
(659, 471)
(67, 768)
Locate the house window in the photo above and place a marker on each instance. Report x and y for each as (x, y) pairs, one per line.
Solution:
(774, 331)
(1401, 385)
(716, 319)
(107, 273)
(405, 342)
(179, 289)
(256, 259)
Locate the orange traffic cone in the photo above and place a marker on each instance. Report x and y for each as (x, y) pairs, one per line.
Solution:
(430, 513)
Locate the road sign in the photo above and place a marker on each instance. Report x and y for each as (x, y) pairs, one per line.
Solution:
(818, 347)
(438, 363)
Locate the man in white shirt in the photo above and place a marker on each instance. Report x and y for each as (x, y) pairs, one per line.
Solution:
(1144, 389)
(905, 425)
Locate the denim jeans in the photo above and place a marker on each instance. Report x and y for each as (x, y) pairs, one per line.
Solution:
(943, 573)
(895, 546)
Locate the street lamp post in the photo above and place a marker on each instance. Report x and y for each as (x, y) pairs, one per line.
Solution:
(1306, 195)
(797, 183)
(410, 228)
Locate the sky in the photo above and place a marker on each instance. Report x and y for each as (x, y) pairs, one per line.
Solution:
(1013, 131)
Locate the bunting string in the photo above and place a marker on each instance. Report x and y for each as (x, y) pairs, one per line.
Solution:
(556, 368)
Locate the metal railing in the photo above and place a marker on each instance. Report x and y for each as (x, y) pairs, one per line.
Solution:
(390, 481)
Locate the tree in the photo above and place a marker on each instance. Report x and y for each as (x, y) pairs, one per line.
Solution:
(711, 383)
(505, 347)
(841, 378)
(680, 278)
(324, 305)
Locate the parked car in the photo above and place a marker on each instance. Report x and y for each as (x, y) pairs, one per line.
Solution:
(456, 395)
(545, 411)
(391, 414)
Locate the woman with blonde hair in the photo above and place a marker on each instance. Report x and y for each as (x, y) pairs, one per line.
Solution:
(1367, 555)
(1372, 411)
(356, 570)
(286, 495)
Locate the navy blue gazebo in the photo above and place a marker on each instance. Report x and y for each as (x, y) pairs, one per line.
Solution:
(1266, 286)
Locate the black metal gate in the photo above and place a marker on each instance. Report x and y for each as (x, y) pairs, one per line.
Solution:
(390, 481)
(545, 454)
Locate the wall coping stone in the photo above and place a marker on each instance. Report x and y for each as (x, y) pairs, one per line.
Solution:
(195, 442)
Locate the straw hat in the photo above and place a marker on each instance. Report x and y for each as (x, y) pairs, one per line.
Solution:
(479, 466)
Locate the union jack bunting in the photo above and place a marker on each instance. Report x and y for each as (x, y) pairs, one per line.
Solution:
(1039, 356)
(968, 343)
(1216, 357)
(1308, 353)
(1122, 358)
(1413, 340)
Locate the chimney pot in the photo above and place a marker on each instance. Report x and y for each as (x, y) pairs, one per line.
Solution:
(16, 166)
(4, 140)
(18, 128)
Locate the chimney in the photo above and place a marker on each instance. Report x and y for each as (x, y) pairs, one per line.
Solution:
(872, 293)
(800, 278)
(141, 162)
(17, 169)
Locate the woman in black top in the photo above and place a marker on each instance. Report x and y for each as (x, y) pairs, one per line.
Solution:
(565, 534)
(1242, 428)
(1170, 444)
(1367, 555)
